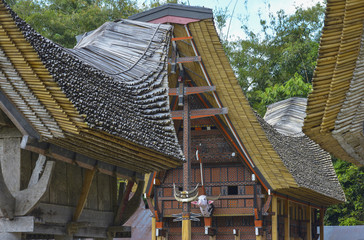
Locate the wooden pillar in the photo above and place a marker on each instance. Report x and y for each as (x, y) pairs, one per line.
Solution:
(274, 218)
(259, 237)
(186, 229)
(10, 236)
(237, 237)
(309, 222)
(287, 222)
(186, 212)
(322, 214)
(214, 237)
(154, 237)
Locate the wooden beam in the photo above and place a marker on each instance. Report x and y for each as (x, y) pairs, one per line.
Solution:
(181, 38)
(133, 204)
(274, 218)
(18, 224)
(287, 223)
(192, 90)
(309, 222)
(65, 155)
(322, 214)
(184, 60)
(86, 186)
(199, 113)
(17, 117)
(123, 203)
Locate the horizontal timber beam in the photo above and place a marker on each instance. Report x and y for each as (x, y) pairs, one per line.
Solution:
(200, 113)
(184, 59)
(62, 154)
(181, 38)
(192, 90)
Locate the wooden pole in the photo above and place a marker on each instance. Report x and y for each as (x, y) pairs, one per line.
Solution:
(309, 222)
(186, 229)
(186, 212)
(274, 218)
(322, 214)
(237, 237)
(154, 237)
(287, 222)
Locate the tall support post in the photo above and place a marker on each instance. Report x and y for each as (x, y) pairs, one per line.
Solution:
(322, 214)
(154, 237)
(186, 207)
(274, 218)
(287, 222)
(309, 222)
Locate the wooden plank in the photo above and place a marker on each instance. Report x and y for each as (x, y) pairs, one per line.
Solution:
(103, 192)
(58, 190)
(18, 224)
(200, 113)
(75, 187)
(192, 90)
(89, 176)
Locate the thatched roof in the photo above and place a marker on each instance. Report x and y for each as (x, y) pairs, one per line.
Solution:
(335, 110)
(105, 105)
(309, 164)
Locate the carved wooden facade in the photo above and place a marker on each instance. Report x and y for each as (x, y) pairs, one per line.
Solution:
(294, 179)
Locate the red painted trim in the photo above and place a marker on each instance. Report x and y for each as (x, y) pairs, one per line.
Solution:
(181, 38)
(174, 19)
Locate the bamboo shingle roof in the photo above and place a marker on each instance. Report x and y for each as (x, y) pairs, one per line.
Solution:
(335, 110)
(93, 100)
(254, 139)
(310, 165)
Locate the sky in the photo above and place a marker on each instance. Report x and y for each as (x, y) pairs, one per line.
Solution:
(249, 9)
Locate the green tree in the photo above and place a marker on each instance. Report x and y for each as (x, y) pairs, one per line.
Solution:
(286, 48)
(352, 211)
(62, 20)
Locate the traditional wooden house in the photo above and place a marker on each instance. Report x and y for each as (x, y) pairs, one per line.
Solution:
(72, 121)
(335, 110)
(270, 185)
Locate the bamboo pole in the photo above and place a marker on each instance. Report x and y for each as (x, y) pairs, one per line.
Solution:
(274, 218)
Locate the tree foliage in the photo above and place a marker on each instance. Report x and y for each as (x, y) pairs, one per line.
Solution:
(62, 20)
(352, 211)
(284, 51)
